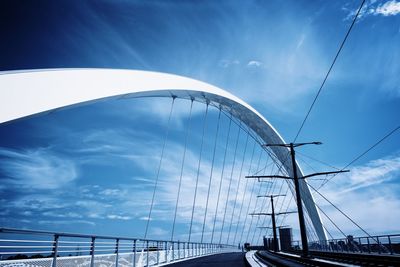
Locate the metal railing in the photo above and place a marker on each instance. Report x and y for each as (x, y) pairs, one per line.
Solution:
(51, 249)
(382, 244)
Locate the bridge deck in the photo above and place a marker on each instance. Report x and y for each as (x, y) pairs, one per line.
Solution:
(234, 259)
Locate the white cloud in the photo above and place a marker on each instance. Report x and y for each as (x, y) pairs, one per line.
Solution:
(68, 222)
(69, 214)
(157, 231)
(389, 8)
(368, 191)
(111, 192)
(118, 217)
(373, 173)
(225, 63)
(254, 63)
(37, 168)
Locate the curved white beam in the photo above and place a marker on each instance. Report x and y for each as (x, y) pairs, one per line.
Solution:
(28, 93)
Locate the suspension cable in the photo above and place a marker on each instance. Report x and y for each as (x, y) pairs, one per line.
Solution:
(362, 154)
(230, 183)
(198, 170)
(255, 205)
(243, 196)
(250, 198)
(211, 174)
(262, 206)
(317, 160)
(182, 167)
(319, 208)
(237, 187)
(159, 168)
(329, 71)
(342, 212)
(269, 204)
(221, 179)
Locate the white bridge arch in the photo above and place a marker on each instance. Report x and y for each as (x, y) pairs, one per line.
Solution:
(27, 93)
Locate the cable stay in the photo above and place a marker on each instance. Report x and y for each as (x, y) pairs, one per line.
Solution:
(159, 167)
(255, 205)
(250, 199)
(317, 160)
(243, 196)
(269, 205)
(362, 154)
(320, 209)
(342, 212)
(230, 183)
(237, 187)
(263, 204)
(253, 135)
(198, 170)
(182, 167)
(330, 69)
(211, 174)
(221, 179)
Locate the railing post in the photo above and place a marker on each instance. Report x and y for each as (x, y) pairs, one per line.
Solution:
(92, 247)
(134, 253)
(179, 252)
(173, 251)
(55, 251)
(116, 252)
(158, 253)
(166, 251)
(369, 248)
(379, 245)
(184, 247)
(390, 245)
(147, 253)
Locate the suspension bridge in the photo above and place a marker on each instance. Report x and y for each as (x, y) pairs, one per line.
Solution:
(224, 190)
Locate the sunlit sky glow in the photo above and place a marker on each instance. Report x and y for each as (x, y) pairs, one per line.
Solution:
(91, 168)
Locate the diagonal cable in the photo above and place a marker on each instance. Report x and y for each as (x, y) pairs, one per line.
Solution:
(330, 69)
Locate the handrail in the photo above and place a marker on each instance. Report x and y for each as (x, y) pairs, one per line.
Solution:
(386, 244)
(140, 251)
(66, 234)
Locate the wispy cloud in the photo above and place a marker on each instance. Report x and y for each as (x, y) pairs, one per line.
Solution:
(368, 191)
(118, 217)
(373, 173)
(39, 168)
(389, 8)
(254, 63)
(226, 63)
(375, 8)
(60, 222)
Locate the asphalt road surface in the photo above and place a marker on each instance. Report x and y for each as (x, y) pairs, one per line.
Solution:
(234, 259)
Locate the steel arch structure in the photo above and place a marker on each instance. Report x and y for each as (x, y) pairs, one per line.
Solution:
(28, 93)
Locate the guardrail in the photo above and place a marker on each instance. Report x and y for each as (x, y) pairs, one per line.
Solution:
(51, 249)
(382, 244)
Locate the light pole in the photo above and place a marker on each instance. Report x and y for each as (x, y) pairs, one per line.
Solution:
(273, 220)
(295, 179)
(272, 214)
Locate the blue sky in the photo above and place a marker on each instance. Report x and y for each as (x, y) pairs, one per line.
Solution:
(91, 168)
